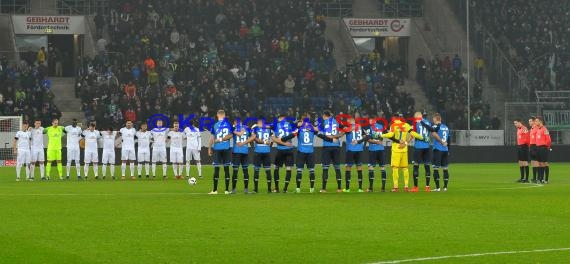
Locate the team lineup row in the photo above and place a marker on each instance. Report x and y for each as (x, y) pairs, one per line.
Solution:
(533, 144)
(235, 141)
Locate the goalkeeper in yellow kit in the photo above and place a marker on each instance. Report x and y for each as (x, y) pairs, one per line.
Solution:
(401, 134)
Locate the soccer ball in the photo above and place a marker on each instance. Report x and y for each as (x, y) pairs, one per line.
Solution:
(192, 181)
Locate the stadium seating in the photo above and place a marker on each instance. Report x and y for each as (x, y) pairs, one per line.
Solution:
(235, 55)
(25, 90)
(530, 31)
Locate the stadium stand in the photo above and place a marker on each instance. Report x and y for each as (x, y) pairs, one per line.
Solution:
(445, 80)
(25, 90)
(252, 56)
(530, 31)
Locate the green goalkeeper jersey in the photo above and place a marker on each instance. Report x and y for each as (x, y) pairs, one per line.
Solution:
(54, 137)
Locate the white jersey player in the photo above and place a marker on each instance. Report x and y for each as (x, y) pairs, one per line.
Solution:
(91, 154)
(143, 152)
(21, 147)
(159, 135)
(38, 153)
(73, 153)
(128, 149)
(109, 137)
(193, 147)
(176, 149)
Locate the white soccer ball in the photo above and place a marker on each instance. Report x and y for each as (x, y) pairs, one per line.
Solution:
(192, 181)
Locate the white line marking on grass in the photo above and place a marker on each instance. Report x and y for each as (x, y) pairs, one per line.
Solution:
(473, 255)
(506, 188)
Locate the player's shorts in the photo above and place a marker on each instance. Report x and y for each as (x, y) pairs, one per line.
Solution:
(353, 158)
(143, 155)
(240, 159)
(284, 157)
(38, 154)
(376, 158)
(399, 159)
(262, 159)
(90, 156)
(128, 154)
(440, 159)
(54, 154)
(176, 155)
(192, 154)
(108, 157)
(222, 157)
(522, 152)
(73, 154)
(532, 151)
(331, 155)
(158, 155)
(422, 156)
(542, 153)
(24, 156)
(305, 159)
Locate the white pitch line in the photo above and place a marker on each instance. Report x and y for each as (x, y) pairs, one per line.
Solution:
(473, 255)
(506, 188)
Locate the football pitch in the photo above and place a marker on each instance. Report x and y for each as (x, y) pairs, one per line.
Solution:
(485, 217)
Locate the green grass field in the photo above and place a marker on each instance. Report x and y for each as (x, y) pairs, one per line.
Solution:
(170, 221)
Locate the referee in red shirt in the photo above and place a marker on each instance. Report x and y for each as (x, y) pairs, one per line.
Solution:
(523, 141)
(543, 142)
(532, 123)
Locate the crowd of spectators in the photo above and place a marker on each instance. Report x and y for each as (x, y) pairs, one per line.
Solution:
(530, 32)
(445, 83)
(247, 57)
(25, 89)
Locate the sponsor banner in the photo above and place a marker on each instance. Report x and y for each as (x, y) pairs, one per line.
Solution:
(480, 137)
(378, 27)
(58, 25)
(9, 163)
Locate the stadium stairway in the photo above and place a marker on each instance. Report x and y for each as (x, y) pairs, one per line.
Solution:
(43, 7)
(7, 44)
(344, 50)
(64, 99)
(422, 102)
(365, 9)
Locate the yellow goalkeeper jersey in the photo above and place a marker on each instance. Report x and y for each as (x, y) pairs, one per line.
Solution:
(399, 130)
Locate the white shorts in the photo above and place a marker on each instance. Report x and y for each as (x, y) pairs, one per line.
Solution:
(90, 156)
(38, 155)
(24, 157)
(108, 157)
(192, 154)
(73, 154)
(158, 155)
(176, 155)
(143, 155)
(128, 154)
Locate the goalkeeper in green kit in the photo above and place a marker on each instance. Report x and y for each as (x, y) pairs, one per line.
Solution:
(54, 134)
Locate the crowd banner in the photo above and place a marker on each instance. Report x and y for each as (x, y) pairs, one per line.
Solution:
(378, 27)
(57, 25)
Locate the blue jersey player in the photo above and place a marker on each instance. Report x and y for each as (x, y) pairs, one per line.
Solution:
(262, 141)
(305, 134)
(284, 156)
(220, 148)
(375, 155)
(331, 150)
(354, 149)
(242, 138)
(440, 150)
(422, 150)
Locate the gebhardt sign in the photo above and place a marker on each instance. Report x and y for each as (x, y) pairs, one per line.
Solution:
(68, 25)
(378, 27)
